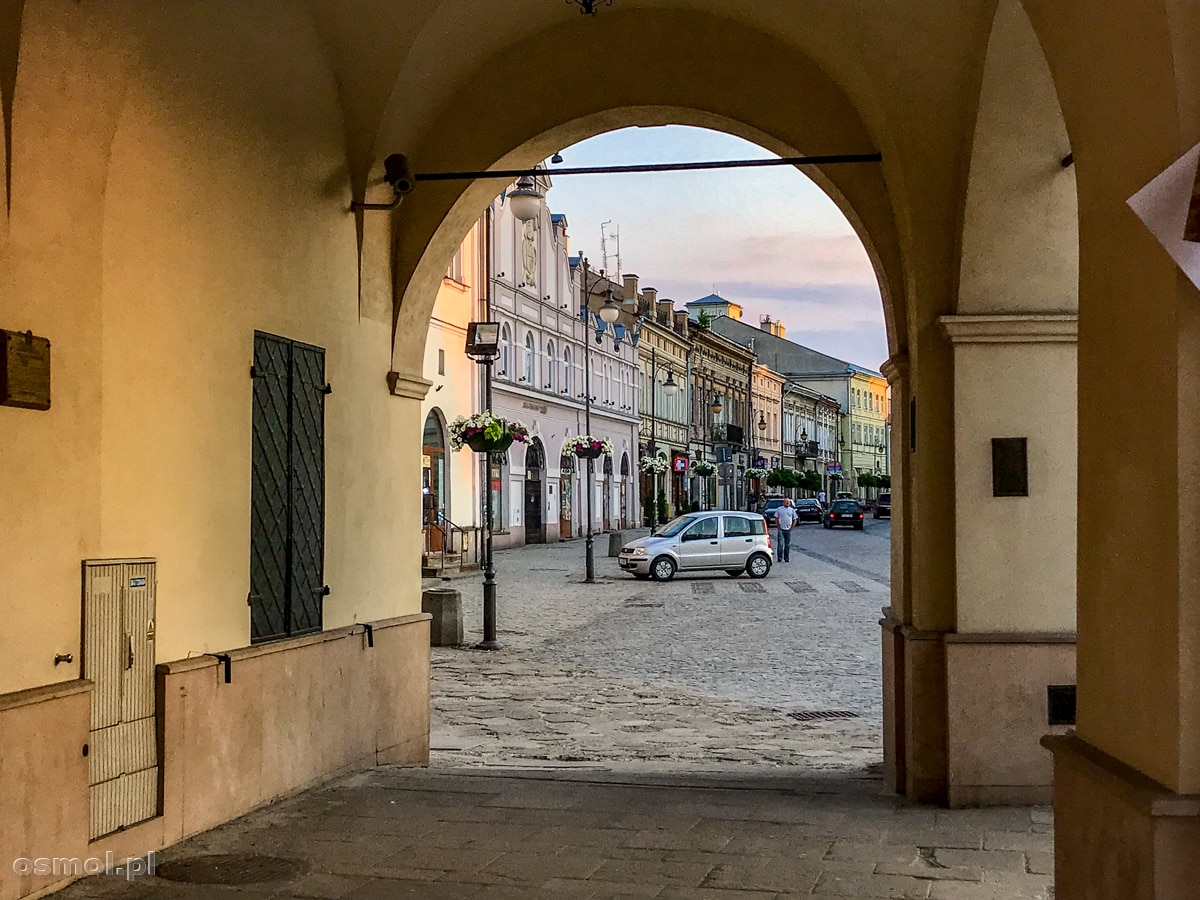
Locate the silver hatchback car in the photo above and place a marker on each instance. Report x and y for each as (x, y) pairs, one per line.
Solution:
(734, 541)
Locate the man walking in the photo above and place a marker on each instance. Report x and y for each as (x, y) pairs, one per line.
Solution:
(785, 518)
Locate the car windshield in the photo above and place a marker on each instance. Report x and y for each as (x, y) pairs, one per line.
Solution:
(845, 506)
(885, 498)
(675, 526)
(774, 504)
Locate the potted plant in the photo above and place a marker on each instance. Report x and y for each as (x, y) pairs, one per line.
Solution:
(755, 473)
(586, 446)
(701, 468)
(485, 433)
(653, 465)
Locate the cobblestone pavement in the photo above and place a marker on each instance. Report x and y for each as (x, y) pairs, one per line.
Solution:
(705, 671)
(633, 740)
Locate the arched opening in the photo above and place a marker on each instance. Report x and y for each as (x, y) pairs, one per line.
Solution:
(535, 464)
(626, 488)
(606, 495)
(435, 483)
(566, 496)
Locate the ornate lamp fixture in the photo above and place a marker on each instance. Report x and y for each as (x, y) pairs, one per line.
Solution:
(588, 7)
(670, 388)
(717, 406)
(525, 200)
(762, 423)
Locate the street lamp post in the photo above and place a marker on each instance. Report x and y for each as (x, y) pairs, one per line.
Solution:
(609, 313)
(483, 346)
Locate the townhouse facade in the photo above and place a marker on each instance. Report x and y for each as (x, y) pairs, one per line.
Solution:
(863, 434)
(549, 363)
(664, 358)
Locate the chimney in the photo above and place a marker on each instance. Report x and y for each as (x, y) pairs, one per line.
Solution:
(665, 312)
(681, 321)
(766, 324)
(630, 290)
(646, 303)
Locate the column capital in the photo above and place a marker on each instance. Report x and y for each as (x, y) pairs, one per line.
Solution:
(896, 368)
(1012, 329)
(409, 386)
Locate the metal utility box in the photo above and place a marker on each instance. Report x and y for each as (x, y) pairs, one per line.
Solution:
(118, 658)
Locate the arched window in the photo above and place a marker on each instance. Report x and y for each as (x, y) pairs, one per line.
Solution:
(551, 368)
(530, 368)
(568, 373)
(505, 351)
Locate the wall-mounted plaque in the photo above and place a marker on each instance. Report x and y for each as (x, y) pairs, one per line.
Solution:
(24, 370)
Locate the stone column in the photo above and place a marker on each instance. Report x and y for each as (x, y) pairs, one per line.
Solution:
(1013, 647)
(899, 612)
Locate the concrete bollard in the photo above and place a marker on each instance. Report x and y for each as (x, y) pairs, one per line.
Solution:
(445, 605)
(616, 540)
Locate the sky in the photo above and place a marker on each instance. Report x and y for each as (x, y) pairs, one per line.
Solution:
(768, 239)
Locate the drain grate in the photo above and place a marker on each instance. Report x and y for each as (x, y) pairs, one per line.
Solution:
(702, 587)
(801, 587)
(643, 605)
(810, 715)
(230, 868)
(752, 587)
(851, 587)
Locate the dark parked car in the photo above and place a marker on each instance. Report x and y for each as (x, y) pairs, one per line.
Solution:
(844, 512)
(809, 511)
(883, 506)
(768, 509)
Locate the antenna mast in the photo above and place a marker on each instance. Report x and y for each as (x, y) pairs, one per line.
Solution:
(604, 243)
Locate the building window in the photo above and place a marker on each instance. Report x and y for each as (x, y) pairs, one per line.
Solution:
(455, 272)
(551, 368)
(441, 361)
(505, 351)
(568, 372)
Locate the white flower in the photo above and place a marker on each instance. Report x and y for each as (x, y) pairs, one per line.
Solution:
(653, 465)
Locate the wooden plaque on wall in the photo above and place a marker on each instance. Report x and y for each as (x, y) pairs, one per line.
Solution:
(24, 370)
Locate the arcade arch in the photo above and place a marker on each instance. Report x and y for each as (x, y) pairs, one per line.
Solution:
(169, 91)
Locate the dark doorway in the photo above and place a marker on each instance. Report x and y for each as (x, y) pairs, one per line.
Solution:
(535, 464)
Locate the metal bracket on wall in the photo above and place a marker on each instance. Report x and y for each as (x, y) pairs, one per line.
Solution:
(369, 631)
(227, 660)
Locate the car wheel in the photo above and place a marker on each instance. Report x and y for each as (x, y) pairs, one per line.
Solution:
(663, 568)
(876, 516)
(734, 573)
(641, 576)
(758, 565)
(858, 527)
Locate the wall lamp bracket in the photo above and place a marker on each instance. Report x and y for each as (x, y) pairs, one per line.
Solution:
(369, 631)
(227, 661)
(397, 173)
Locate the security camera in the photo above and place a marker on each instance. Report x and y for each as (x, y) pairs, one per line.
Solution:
(397, 173)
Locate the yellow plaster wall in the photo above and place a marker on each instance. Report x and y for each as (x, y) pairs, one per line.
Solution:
(1020, 248)
(196, 196)
(1016, 555)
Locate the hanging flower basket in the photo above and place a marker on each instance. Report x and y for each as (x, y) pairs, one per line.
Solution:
(653, 465)
(702, 469)
(755, 472)
(587, 447)
(484, 433)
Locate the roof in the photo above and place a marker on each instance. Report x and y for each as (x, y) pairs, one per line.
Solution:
(558, 218)
(784, 356)
(713, 300)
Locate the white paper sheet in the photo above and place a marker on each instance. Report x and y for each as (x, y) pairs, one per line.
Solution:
(1163, 205)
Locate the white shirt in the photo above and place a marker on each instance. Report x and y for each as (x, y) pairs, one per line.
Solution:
(785, 517)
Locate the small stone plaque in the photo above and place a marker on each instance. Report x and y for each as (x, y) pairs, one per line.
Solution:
(24, 370)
